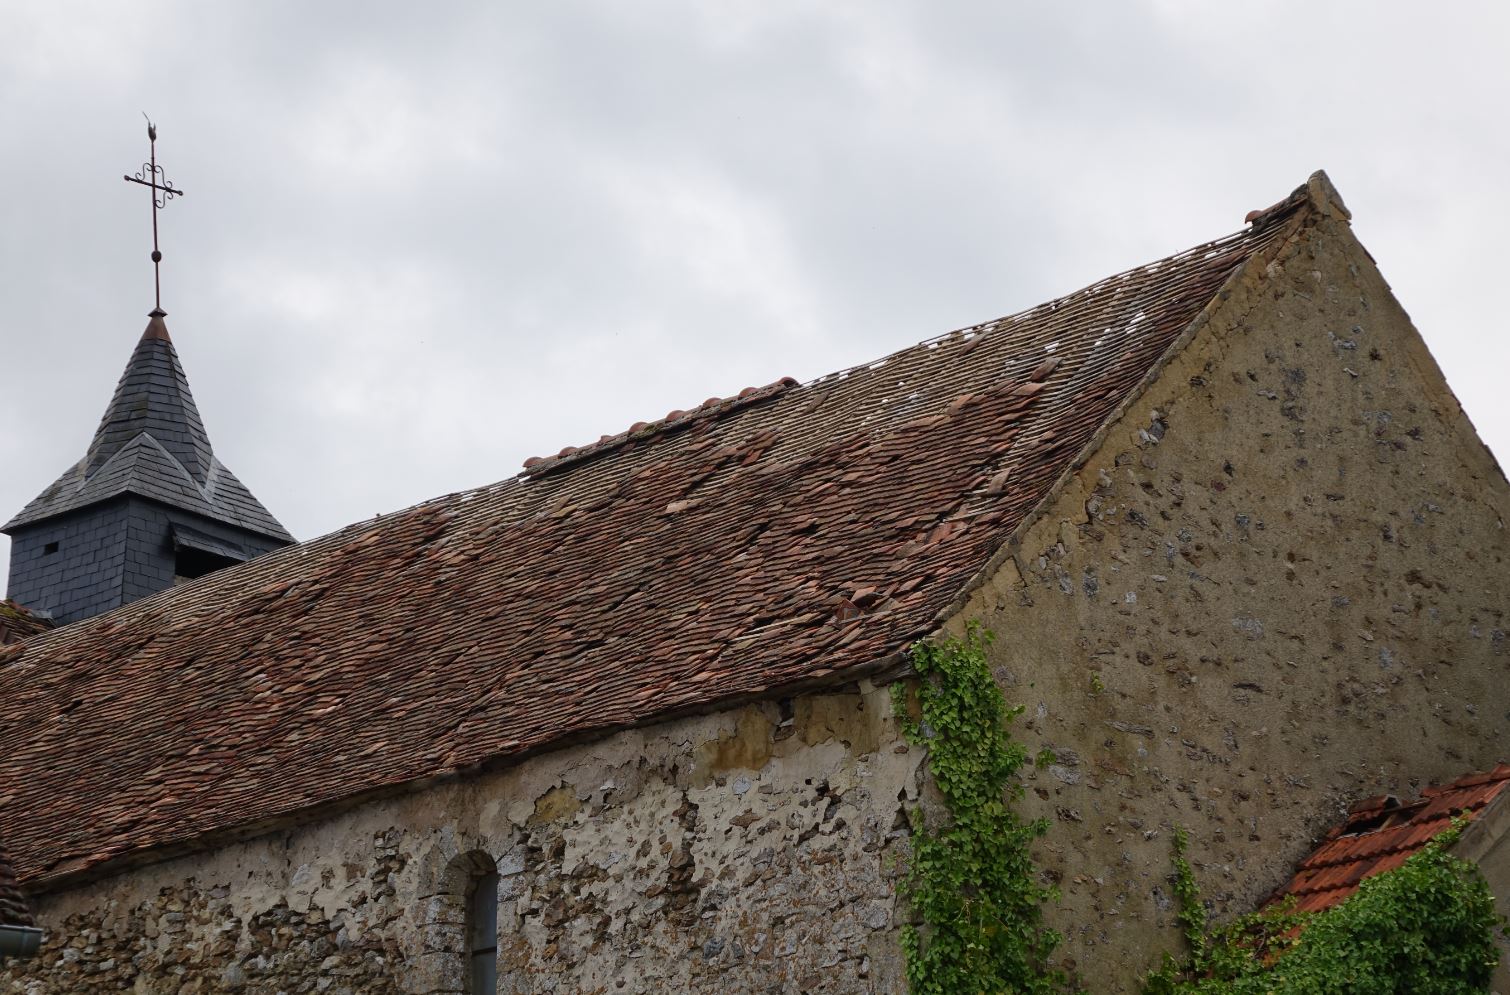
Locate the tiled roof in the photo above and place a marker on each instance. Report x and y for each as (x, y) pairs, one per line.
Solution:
(151, 442)
(1380, 834)
(794, 534)
(16, 623)
(13, 910)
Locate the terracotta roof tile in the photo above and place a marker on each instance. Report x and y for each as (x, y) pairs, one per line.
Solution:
(794, 532)
(16, 623)
(1380, 834)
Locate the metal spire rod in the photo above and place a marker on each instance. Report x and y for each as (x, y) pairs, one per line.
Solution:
(148, 176)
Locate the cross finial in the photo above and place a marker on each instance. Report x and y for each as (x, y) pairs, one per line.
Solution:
(152, 175)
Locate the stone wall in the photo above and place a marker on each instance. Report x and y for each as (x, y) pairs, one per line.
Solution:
(750, 851)
(1278, 586)
(1486, 843)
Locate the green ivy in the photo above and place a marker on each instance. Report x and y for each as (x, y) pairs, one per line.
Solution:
(1425, 928)
(971, 882)
(1192, 913)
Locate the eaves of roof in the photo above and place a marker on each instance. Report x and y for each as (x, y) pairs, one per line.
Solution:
(1381, 833)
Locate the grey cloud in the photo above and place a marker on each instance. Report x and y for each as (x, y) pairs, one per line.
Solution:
(422, 242)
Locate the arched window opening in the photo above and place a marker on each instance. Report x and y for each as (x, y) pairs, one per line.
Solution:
(460, 949)
(482, 934)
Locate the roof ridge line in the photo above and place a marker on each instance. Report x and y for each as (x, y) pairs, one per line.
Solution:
(212, 478)
(537, 467)
(1317, 191)
(1297, 198)
(86, 476)
(82, 468)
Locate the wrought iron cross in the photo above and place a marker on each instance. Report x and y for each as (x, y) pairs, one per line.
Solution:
(149, 176)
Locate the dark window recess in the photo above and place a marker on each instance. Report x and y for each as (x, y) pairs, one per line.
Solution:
(482, 936)
(191, 563)
(49, 549)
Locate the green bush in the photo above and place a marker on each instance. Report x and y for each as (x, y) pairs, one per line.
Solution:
(1425, 928)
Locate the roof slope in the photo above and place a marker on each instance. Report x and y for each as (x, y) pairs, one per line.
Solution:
(795, 533)
(152, 442)
(1380, 834)
(16, 623)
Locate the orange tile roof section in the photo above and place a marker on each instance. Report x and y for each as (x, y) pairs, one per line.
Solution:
(794, 535)
(1380, 834)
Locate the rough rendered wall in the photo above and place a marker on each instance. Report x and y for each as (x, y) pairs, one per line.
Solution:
(750, 851)
(1280, 585)
(1486, 843)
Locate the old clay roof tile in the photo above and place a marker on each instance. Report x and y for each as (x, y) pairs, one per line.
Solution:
(481, 627)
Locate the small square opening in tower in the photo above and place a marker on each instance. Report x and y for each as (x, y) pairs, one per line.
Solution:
(49, 549)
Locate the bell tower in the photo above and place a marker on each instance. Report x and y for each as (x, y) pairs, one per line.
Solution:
(149, 504)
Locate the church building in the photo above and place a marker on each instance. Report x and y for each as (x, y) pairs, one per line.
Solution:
(622, 722)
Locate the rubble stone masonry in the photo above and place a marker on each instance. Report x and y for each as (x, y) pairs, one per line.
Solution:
(1280, 584)
(750, 851)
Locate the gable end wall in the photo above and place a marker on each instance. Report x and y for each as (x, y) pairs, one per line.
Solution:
(1278, 585)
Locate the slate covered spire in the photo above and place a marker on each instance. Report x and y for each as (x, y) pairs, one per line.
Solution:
(153, 397)
(151, 442)
(147, 506)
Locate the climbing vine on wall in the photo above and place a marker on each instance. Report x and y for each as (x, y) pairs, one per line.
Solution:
(1425, 928)
(971, 883)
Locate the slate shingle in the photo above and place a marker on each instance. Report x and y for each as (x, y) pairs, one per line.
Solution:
(151, 442)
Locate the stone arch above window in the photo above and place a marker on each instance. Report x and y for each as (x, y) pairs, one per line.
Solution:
(461, 929)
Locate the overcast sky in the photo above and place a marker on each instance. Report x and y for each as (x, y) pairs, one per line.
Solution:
(423, 241)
